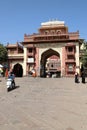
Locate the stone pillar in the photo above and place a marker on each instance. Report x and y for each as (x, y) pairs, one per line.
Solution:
(77, 58)
(63, 55)
(25, 61)
(37, 67)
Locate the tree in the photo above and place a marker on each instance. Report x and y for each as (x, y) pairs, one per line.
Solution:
(3, 53)
(84, 56)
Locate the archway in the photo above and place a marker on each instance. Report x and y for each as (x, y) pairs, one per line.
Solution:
(18, 70)
(50, 60)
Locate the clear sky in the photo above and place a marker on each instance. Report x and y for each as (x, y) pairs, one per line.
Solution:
(18, 17)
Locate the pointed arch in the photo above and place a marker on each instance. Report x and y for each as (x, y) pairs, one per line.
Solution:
(49, 53)
(45, 55)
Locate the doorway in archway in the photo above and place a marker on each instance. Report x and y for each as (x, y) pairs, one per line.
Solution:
(18, 70)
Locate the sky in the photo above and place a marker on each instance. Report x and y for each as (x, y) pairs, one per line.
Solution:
(19, 17)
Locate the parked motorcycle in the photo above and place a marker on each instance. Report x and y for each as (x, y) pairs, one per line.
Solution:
(10, 84)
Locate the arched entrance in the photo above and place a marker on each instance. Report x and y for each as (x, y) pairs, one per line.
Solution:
(50, 63)
(18, 70)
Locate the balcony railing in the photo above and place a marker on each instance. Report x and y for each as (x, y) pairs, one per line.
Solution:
(51, 37)
(30, 54)
(16, 56)
(45, 37)
(70, 53)
(70, 60)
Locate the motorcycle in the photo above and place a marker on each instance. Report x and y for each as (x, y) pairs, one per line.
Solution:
(10, 84)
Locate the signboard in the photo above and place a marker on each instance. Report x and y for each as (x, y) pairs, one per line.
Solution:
(30, 60)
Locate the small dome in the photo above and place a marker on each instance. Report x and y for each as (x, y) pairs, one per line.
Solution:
(53, 22)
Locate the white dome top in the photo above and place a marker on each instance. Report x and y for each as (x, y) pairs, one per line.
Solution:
(53, 22)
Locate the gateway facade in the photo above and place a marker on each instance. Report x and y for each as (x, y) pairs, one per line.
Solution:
(52, 50)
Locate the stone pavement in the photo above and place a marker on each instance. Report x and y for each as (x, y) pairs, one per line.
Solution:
(43, 104)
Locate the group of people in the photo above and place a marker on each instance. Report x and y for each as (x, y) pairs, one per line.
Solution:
(82, 77)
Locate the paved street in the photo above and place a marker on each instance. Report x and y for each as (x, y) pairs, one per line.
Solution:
(43, 104)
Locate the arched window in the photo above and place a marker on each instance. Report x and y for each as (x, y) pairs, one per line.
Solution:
(46, 32)
(58, 31)
(52, 31)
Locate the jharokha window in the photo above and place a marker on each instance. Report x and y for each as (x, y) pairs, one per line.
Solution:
(53, 31)
(46, 32)
(58, 31)
(30, 50)
(70, 67)
(70, 49)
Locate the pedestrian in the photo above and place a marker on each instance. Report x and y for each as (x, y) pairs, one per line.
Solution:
(6, 73)
(76, 77)
(34, 73)
(83, 77)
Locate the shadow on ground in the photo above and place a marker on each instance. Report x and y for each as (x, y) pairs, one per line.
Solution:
(16, 87)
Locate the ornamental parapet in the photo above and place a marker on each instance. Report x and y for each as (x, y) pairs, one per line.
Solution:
(50, 37)
(74, 35)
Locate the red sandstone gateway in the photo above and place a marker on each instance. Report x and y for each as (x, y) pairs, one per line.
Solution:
(53, 49)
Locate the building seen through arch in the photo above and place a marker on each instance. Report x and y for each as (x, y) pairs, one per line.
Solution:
(52, 50)
(50, 63)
